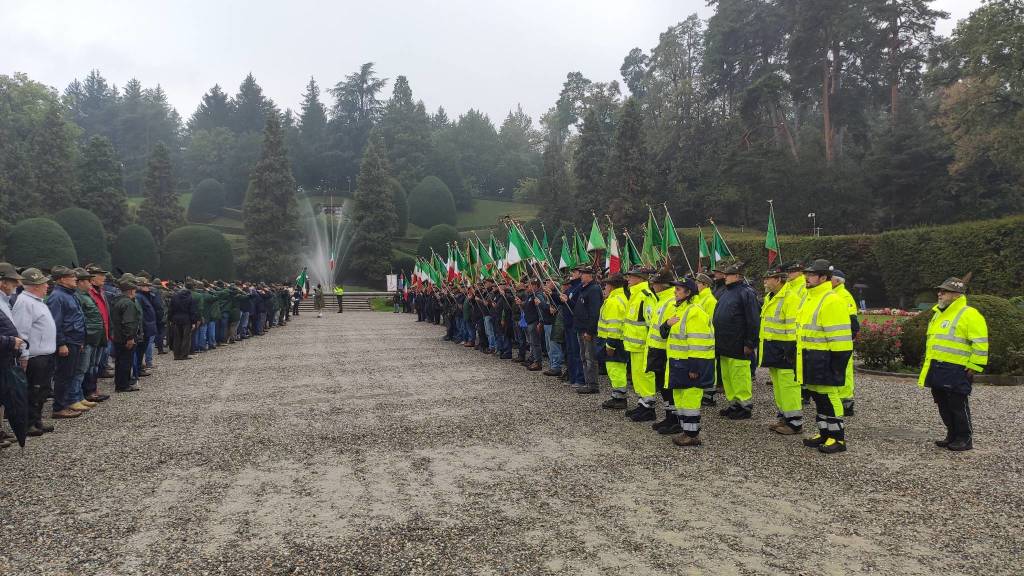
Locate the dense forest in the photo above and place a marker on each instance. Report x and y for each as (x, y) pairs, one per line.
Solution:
(855, 111)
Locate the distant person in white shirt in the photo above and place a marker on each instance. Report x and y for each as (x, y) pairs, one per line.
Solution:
(35, 324)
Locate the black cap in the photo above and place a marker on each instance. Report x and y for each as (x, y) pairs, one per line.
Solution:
(820, 266)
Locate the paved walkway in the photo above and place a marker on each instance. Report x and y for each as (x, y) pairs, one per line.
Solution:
(363, 444)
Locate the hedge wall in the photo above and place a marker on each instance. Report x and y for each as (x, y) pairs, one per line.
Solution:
(199, 252)
(40, 243)
(87, 234)
(902, 267)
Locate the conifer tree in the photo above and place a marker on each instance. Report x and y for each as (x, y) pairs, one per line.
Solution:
(213, 112)
(591, 163)
(406, 131)
(101, 189)
(53, 160)
(271, 213)
(628, 189)
(373, 215)
(160, 212)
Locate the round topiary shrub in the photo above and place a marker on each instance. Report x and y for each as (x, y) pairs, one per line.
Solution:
(431, 203)
(135, 250)
(401, 206)
(402, 263)
(199, 252)
(87, 234)
(40, 243)
(437, 239)
(1005, 332)
(207, 201)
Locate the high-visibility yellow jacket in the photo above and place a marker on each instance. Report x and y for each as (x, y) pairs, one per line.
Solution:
(664, 308)
(851, 304)
(957, 340)
(798, 285)
(777, 339)
(338, 291)
(824, 341)
(634, 326)
(692, 336)
(707, 301)
(613, 311)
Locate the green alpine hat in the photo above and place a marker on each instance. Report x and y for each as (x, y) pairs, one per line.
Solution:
(33, 277)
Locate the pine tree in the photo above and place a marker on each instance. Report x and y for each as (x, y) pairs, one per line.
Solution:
(101, 189)
(311, 166)
(250, 107)
(213, 112)
(553, 186)
(405, 127)
(628, 188)
(53, 160)
(591, 164)
(160, 211)
(271, 213)
(374, 217)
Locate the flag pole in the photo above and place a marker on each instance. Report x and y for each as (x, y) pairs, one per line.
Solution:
(681, 249)
(720, 235)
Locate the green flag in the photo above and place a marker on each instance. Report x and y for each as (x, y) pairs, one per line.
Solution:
(596, 239)
(581, 248)
(566, 260)
(771, 240)
(518, 247)
(300, 282)
(630, 255)
(671, 238)
(719, 249)
(544, 241)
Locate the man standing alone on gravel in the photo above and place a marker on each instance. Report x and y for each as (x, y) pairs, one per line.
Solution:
(956, 350)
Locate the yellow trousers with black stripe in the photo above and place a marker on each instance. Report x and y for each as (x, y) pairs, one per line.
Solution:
(618, 375)
(643, 381)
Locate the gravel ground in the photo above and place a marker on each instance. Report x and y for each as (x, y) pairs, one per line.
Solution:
(363, 444)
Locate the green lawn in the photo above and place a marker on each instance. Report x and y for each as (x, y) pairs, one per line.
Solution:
(183, 200)
(486, 213)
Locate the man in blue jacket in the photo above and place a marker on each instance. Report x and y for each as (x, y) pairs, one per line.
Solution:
(70, 322)
(737, 322)
(585, 315)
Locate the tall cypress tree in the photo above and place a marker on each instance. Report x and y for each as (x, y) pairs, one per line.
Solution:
(53, 159)
(101, 186)
(628, 178)
(374, 217)
(160, 211)
(271, 213)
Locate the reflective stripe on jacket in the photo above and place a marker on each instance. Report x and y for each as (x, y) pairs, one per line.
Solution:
(664, 308)
(957, 335)
(824, 339)
(777, 342)
(613, 311)
(691, 337)
(634, 327)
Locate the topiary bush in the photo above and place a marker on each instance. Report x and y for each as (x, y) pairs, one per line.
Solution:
(401, 262)
(431, 203)
(401, 206)
(135, 250)
(197, 251)
(437, 239)
(1005, 333)
(87, 234)
(207, 201)
(40, 243)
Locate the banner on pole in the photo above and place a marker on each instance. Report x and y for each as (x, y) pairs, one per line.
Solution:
(392, 282)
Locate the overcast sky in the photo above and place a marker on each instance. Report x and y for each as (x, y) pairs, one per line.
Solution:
(459, 54)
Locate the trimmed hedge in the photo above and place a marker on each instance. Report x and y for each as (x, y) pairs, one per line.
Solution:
(1005, 330)
(40, 243)
(901, 266)
(437, 239)
(135, 249)
(431, 203)
(199, 252)
(87, 234)
(207, 201)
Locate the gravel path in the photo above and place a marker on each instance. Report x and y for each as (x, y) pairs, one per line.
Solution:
(363, 444)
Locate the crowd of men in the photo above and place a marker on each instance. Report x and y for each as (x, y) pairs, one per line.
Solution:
(678, 340)
(63, 330)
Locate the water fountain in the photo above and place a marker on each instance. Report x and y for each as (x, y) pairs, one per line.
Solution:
(328, 237)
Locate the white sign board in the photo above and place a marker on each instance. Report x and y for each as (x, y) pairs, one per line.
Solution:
(392, 282)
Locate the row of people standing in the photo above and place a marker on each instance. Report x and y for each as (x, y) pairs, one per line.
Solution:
(677, 340)
(60, 333)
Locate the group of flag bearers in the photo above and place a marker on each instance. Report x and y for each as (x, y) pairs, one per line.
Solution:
(680, 338)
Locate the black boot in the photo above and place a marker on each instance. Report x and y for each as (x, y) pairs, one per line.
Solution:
(614, 404)
(961, 445)
(643, 414)
(670, 416)
(848, 408)
(672, 426)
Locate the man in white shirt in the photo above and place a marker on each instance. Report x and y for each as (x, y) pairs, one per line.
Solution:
(36, 326)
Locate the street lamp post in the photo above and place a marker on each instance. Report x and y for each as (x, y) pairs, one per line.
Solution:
(814, 223)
